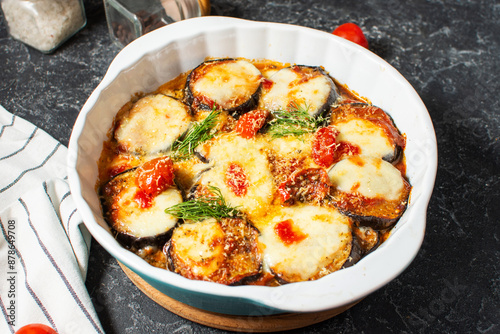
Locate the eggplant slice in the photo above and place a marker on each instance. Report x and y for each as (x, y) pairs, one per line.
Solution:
(152, 124)
(232, 85)
(369, 238)
(290, 153)
(369, 128)
(304, 242)
(364, 241)
(369, 190)
(224, 252)
(241, 171)
(137, 225)
(300, 86)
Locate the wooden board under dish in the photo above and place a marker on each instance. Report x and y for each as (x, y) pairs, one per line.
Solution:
(255, 324)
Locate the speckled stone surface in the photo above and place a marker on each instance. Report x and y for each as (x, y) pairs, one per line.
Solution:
(448, 50)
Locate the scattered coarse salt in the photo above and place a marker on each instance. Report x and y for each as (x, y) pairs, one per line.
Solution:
(43, 24)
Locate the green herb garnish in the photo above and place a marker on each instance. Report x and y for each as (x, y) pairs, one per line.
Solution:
(183, 148)
(204, 207)
(295, 121)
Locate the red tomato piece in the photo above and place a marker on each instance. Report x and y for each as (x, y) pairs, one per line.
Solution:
(36, 329)
(287, 233)
(284, 191)
(113, 171)
(351, 32)
(251, 122)
(324, 146)
(325, 149)
(267, 84)
(346, 148)
(155, 176)
(236, 179)
(204, 100)
(143, 199)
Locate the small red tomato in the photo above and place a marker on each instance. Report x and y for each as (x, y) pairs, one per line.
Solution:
(36, 329)
(251, 122)
(324, 146)
(155, 176)
(351, 32)
(284, 191)
(326, 150)
(143, 199)
(346, 148)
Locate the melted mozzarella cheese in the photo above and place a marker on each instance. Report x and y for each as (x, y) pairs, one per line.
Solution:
(292, 146)
(294, 86)
(289, 154)
(187, 172)
(228, 83)
(327, 242)
(370, 177)
(251, 155)
(199, 247)
(139, 222)
(153, 124)
(371, 139)
(224, 251)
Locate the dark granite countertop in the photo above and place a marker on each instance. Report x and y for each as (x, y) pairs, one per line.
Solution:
(448, 50)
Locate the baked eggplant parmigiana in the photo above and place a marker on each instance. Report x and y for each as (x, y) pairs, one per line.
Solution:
(252, 172)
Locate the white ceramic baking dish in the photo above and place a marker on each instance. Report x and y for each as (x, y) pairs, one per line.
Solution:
(159, 56)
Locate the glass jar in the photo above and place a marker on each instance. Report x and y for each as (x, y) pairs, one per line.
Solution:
(43, 24)
(130, 19)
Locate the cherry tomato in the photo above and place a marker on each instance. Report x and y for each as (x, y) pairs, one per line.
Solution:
(251, 122)
(351, 32)
(143, 199)
(284, 191)
(236, 179)
(155, 176)
(346, 148)
(36, 329)
(326, 150)
(324, 146)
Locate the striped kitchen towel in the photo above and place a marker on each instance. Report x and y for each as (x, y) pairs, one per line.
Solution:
(44, 246)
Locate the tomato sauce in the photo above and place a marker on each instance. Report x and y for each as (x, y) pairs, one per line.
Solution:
(288, 233)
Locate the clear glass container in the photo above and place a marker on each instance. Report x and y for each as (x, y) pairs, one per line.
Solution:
(130, 19)
(43, 24)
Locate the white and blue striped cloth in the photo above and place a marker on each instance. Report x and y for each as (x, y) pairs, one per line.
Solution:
(44, 246)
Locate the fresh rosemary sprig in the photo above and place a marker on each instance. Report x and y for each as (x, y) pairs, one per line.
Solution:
(183, 148)
(295, 121)
(204, 207)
